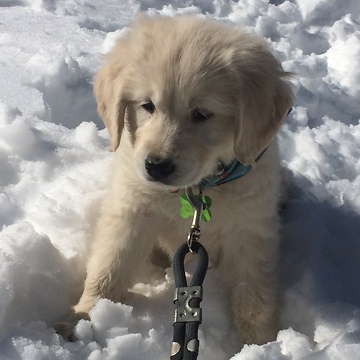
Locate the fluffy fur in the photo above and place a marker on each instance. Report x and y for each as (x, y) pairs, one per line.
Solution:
(178, 97)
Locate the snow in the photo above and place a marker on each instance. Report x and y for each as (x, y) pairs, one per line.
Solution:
(54, 165)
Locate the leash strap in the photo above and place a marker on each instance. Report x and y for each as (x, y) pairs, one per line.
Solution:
(188, 314)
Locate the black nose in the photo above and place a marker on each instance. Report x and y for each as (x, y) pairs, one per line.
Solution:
(159, 168)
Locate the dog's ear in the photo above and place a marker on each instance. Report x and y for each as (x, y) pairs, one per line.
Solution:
(108, 89)
(113, 82)
(266, 99)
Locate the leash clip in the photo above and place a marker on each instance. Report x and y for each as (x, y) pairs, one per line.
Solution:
(198, 205)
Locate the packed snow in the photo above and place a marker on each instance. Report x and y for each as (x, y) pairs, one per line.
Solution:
(54, 165)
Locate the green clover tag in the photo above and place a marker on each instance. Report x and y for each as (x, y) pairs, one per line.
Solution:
(206, 214)
(187, 209)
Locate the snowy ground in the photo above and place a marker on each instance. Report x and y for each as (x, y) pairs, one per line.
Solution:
(54, 164)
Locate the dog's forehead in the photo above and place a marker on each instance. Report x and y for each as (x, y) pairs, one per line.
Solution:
(175, 97)
(192, 81)
(187, 66)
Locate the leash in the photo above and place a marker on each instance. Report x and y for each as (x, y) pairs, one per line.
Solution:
(188, 314)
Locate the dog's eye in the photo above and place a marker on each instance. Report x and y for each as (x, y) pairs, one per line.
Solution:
(200, 115)
(148, 106)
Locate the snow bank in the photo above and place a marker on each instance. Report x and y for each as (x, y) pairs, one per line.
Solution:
(54, 164)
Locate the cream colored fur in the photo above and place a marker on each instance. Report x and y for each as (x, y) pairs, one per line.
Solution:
(182, 64)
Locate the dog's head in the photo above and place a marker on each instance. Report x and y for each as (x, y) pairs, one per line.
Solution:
(191, 94)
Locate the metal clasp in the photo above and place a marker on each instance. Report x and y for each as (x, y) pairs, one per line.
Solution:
(198, 205)
(185, 312)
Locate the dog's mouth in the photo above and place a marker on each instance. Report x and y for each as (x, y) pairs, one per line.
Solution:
(165, 171)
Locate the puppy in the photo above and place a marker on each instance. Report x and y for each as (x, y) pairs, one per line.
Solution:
(183, 100)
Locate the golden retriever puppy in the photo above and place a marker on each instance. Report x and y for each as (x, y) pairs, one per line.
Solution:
(183, 100)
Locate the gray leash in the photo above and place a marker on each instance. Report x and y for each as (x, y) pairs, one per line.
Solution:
(188, 314)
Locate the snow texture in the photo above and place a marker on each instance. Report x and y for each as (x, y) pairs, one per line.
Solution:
(54, 164)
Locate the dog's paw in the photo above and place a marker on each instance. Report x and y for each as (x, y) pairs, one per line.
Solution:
(66, 328)
(258, 329)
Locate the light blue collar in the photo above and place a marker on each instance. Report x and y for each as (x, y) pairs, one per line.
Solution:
(234, 171)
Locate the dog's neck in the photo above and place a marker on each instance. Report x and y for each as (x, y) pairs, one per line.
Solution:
(234, 171)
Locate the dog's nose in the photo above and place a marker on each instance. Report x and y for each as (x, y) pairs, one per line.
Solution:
(159, 168)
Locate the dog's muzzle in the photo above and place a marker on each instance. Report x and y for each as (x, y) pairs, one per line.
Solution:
(159, 169)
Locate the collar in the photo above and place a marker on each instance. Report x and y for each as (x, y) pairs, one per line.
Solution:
(234, 171)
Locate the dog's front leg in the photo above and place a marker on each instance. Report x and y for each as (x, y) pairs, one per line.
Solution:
(249, 268)
(121, 247)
